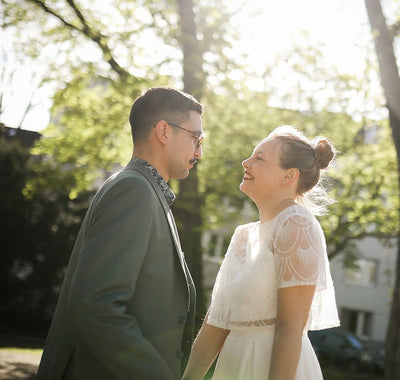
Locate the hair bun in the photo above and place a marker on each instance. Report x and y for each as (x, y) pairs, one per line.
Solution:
(324, 153)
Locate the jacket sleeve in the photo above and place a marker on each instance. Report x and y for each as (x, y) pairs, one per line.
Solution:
(110, 260)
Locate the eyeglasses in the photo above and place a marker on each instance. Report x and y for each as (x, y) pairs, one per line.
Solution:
(198, 138)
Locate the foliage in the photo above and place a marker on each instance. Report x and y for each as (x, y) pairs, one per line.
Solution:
(89, 136)
(363, 182)
(37, 235)
(312, 85)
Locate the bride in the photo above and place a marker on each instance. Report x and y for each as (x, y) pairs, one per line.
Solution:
(274, 283)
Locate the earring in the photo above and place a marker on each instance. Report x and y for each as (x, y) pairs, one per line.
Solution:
(284, 180)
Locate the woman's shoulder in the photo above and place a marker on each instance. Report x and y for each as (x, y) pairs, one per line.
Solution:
(296, 230)
(242, 231)
(295, 216)
(295, 210)
(246, 227)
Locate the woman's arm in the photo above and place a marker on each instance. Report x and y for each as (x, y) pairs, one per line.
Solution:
(293, 308)
(206, 347)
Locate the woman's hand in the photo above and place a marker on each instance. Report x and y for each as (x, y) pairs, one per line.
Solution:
(206, 348)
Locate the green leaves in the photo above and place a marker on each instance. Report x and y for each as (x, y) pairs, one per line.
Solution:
(364, 183)
(90, 134)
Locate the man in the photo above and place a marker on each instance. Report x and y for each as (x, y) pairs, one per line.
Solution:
(126, 308)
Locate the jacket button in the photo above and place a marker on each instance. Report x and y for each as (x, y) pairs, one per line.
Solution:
(179, 354)
(182, 319)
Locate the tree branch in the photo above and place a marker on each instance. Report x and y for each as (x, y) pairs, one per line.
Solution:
(88, 32)
(42, 5)
(395, 29)
(77, 12)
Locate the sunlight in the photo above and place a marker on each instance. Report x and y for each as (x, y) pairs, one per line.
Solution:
(270, 27)
(265, 30)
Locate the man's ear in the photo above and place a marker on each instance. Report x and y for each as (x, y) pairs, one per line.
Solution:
(161, 132)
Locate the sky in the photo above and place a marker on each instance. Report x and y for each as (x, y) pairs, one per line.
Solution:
(340, 24)
(266, 27)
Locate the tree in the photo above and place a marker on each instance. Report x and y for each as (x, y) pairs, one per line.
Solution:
(89, 137)
(189, 217)
(32, 230)
(390, 81)
(190, 203)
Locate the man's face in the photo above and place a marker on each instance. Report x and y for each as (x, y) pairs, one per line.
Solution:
(185, 148)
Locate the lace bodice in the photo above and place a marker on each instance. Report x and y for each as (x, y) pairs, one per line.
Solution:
(288, 250)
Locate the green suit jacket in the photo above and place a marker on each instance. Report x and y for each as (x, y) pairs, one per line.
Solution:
(126, 307)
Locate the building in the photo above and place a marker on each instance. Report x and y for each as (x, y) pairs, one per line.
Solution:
(364, 293)
(24, 137)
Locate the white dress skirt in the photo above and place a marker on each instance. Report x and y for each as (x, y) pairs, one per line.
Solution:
(246, 355)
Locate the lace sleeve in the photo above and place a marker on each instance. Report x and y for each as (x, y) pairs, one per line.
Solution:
(298, 247)
(300, 257)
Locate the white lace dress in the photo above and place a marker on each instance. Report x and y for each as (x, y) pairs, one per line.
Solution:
(288, 250)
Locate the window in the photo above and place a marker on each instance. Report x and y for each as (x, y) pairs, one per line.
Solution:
(366, 330)
(358, 322)
(364, 274)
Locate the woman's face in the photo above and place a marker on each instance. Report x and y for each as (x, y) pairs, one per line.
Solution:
(263, 176)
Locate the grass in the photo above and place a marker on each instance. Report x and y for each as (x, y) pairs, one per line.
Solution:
(35, 351)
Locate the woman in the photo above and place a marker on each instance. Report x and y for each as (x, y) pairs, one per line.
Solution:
(274, 283)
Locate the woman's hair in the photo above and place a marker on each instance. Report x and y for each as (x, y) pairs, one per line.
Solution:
(310, 157)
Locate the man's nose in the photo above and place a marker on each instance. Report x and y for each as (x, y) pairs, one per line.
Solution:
(198, 152)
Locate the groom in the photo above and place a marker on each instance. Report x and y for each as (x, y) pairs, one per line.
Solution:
(126, 307)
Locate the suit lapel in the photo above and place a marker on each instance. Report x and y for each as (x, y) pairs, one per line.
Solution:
(166, 208)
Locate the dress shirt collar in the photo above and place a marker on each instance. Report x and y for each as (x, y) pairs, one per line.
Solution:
(168, 193)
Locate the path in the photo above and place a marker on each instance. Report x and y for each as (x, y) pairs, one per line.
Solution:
(18, 364)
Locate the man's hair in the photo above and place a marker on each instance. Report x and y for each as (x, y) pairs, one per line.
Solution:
(160, 103)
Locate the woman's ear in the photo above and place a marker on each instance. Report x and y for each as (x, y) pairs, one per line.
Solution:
(161, 132)
(294, 173)
(291, 174)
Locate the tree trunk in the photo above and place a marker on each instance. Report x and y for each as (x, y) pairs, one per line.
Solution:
(189, 203)
(390, 81)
